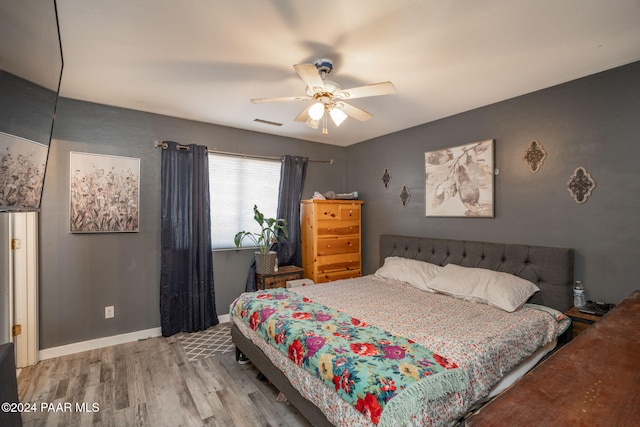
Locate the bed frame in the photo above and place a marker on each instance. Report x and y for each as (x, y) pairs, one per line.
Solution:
(550, 268)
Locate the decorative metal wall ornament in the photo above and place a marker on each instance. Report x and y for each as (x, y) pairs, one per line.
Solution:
(459, 181)
(405, 196)
(386, 178)
(535, 156)
(580, 185)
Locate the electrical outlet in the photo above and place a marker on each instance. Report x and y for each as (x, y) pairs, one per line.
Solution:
(109, 312)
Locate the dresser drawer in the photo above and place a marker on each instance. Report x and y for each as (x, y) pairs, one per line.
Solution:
(339, 245)
(325, 212)
(337, 275)
(338, 228)
(278, 279)
(338, 211)
(578, 327)
(342, 262)
(350, 212)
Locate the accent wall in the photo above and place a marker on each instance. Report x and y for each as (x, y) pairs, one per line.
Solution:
(592, 122)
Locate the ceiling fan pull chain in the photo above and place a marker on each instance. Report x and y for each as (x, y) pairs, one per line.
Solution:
(324, 121)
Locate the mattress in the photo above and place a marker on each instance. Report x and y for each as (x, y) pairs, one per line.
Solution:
(485, 342)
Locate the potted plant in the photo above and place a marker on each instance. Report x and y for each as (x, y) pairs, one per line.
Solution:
(272, 230)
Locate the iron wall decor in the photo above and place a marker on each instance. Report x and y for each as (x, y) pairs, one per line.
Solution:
(105, 193)
(405, 196)
(386, 178)
(459, 181)
(22, 166)
(535, 156)
(581, 185)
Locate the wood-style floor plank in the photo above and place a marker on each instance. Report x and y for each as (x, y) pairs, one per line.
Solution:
(150, 383)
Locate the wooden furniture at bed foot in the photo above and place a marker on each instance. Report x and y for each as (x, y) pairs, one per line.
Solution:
(592, 381)
(331, 235)
(278, 279)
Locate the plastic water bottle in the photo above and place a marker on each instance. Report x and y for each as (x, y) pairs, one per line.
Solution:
(578, 294)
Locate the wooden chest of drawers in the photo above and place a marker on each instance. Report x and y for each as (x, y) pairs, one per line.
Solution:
(331, 232)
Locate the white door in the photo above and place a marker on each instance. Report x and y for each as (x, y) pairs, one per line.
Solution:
(19, 234)
(6, 296)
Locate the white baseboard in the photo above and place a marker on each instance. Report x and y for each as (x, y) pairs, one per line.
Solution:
(64, 350)
(50, 353)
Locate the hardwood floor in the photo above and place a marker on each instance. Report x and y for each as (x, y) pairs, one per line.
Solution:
(150, 383)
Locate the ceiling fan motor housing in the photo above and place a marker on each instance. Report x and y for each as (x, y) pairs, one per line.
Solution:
(324, 66)
(330, 89)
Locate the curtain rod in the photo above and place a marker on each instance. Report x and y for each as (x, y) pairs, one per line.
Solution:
(164, 145)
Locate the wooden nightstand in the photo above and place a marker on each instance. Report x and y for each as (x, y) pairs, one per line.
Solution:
(580, 321)
(279, 278)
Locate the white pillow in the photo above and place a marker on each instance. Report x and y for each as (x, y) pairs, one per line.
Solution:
(411, 271)
(501, 290)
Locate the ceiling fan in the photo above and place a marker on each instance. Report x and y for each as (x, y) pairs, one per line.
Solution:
(329, 97)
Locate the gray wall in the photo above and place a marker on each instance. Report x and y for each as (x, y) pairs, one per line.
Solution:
(593, 122)
(26, 109)
(82, 273)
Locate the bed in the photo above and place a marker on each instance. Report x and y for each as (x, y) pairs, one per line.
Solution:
(446, 379)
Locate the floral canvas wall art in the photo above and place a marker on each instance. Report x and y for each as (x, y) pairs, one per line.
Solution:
(105, 193)
(22, 167)
(459, 181)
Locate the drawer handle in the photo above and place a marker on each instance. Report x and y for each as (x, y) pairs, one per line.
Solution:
(328, 246)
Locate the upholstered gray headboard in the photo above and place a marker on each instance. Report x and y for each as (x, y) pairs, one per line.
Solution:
(550, 268)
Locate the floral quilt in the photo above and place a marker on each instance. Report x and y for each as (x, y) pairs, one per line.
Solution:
(484, 342)
(383, 376)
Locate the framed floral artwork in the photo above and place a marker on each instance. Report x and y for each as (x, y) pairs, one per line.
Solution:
(459, 181)
(22, 166)
(105, 193)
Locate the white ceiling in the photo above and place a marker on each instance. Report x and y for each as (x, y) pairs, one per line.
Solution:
(204, 59)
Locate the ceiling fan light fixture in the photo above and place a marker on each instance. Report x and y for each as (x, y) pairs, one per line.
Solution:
(337, 115)
(313, 124)
(327, 96)
(316, 111)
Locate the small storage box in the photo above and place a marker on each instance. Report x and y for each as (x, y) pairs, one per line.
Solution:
(299, 282)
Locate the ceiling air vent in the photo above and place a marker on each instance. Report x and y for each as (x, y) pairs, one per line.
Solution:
(267, 122)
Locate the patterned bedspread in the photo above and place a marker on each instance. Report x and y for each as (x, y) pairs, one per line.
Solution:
(382, 375)
(485, 343)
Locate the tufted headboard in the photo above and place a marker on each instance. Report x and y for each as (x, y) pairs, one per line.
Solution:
(551, 269)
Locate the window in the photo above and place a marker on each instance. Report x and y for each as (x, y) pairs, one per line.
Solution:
(235, 185)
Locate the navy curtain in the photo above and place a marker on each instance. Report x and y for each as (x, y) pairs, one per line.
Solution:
(292, 174)
(292, 177)
(187, 299)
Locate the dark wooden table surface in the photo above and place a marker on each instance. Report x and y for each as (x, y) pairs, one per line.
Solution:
(592, 381)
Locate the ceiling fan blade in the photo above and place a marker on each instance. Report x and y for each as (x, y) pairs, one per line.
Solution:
(281, 99)
(311, 77)
(304, 115)
(375, 89)
(355, 112)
